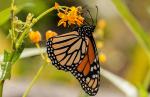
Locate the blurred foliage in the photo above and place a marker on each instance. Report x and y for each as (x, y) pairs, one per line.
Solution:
(136, 71)
(4, 41)
(141, 11)
(141, 36)
(125, 59)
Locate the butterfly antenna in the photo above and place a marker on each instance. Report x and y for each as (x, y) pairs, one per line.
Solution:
(91, 16)
(82, 14)
(96, 13)
(86, 22)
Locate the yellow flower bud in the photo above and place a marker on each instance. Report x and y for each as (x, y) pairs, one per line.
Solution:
(50, 34)
(100, 44)
(35, 36)
(102, 58)
(102, 24)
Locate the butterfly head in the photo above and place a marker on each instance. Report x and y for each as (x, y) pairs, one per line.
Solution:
(85, 30)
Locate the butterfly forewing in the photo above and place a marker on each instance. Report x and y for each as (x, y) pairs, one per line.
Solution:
(65, 50)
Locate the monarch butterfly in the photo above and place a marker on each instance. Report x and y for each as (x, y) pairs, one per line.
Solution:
(76, 52)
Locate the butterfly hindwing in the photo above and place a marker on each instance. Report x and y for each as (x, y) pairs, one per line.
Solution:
(87, 72)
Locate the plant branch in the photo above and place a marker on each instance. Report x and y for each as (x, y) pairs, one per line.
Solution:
(1, 88)
(35, 20)
(12, 18)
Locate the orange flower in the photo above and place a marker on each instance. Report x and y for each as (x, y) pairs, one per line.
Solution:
(56, 6)
(80, 20)
(35, 36)
(63, 20)
(70, 16)
(50, 34)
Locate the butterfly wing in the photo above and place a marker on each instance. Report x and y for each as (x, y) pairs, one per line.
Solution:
(67, 50)
(71, 52)
(88, 71)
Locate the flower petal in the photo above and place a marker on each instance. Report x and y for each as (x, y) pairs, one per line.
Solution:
(56, 6)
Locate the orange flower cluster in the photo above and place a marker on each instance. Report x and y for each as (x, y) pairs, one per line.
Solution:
(69, 15)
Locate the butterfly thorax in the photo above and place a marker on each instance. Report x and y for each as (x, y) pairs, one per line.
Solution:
(85, 30)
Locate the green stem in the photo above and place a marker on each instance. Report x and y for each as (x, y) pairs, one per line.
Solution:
(141, 36)
(1, 88)
(35, 20)
(13, 36)
(20, 40)
(34, 80)
(147, 79)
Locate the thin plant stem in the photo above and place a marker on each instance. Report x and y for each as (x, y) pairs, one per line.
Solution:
(35, 20)
(1, 88)
(38, 73)
(34, 80)
(12, 20)
(13, 35)
(17, 44)
(20, 40)
(41, 52)
(147, 79)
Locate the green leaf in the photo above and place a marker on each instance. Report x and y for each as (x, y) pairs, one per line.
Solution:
(17, 53)
(5, 67)
(9, 59)
(5, 14)
(6, 56)
(5, 70)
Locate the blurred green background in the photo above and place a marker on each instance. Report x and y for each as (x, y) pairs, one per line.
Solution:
(125, 57)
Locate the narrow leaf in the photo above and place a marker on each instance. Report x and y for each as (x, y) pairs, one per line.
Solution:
(5, 67)
(17, 53)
